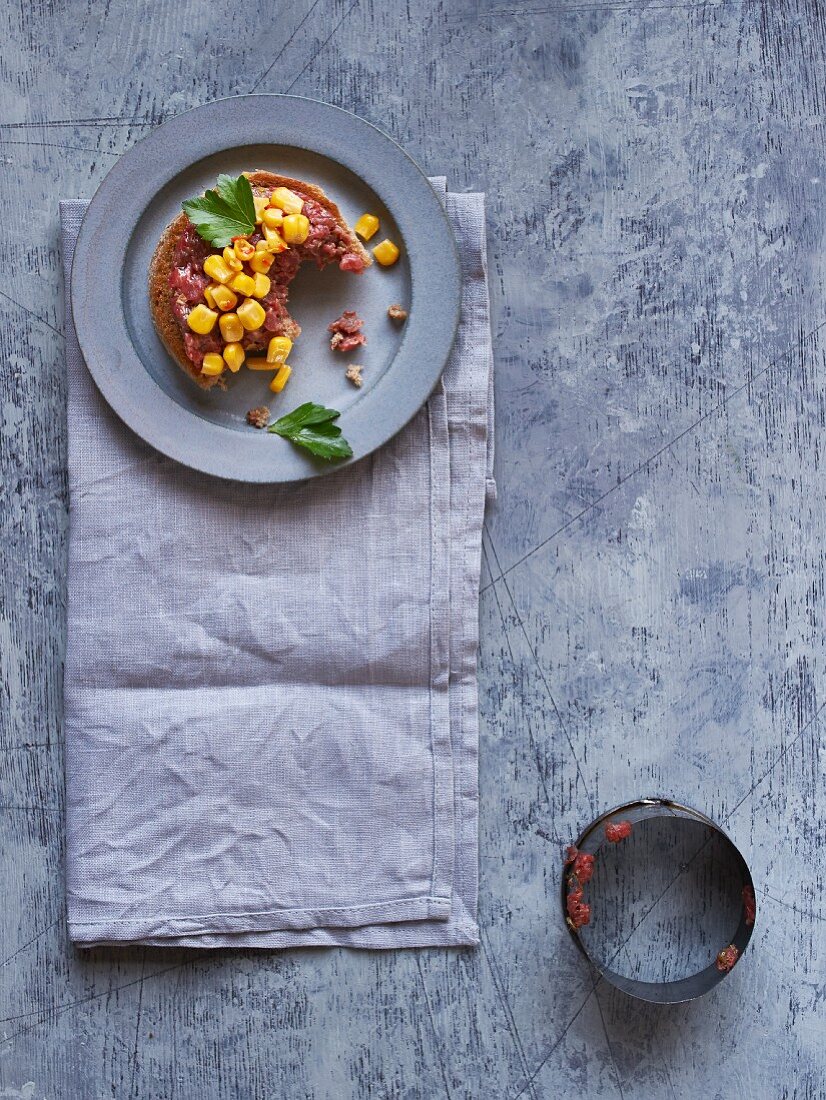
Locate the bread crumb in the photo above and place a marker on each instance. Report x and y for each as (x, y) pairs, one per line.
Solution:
(259, 417)
(353, 374)
(396, 313)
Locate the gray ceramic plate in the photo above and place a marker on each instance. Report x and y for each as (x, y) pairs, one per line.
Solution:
(362, 170)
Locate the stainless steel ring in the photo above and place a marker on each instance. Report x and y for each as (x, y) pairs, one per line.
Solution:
(695, 985)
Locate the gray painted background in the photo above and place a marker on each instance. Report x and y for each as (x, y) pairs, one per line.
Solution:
(654, 597)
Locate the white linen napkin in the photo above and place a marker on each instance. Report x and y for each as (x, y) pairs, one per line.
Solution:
(270, 691)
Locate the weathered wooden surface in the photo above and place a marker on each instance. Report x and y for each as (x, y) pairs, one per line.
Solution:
(653, 604)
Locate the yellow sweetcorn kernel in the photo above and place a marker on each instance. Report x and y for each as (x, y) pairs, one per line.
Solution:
(272, 217)
(251, 314)
(260, 203)
(275, 242)
(386, 253)
(231, 328)
(286, 200)
(262, 260)
(233, 356)
(366, 226)
(259, 364)
(202, 319)
(231, 260)
(243, 248)
(224, 298)
(278, 350)
(209, 295)
(218, 269)
(243, 284)
(262, 285)
(296, 228)
(213, 364)
(280, 381)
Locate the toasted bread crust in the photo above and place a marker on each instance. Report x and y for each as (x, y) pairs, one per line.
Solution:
(161, 295)
(161, 298)
(270, 180)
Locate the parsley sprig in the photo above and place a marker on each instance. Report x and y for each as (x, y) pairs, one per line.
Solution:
(311, 426)
(224, 213)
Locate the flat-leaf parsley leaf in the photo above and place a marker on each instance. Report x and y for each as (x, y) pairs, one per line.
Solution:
(226, 212)
(311, 426)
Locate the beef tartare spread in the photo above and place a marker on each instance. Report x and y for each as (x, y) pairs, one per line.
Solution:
(221, 300)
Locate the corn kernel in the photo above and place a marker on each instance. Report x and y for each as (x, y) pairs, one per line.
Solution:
(208, 294)
(231, 260)
(260, 203)
(217, 268)
(212, 365)
(243, 248)
(386, 253)
(272, 218)
(262, 260)
(251, 314)
(202, 320)
(243, 284)
(286, 200)
(224, 298)
(231, 328)
(258, 363)
(280, 381)
(278, 350)
(275, 242)
(233, 356)
(366, 226)
(296, 228)
(262, 285)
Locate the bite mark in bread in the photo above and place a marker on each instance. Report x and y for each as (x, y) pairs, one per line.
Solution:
(162, 296)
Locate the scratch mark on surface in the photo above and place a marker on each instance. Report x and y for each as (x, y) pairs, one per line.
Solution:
(139, 1013)
(807, 913)
(632, 7)
(280, 53)
(437, 1045)
(114, 120)
(506, 1008)
(28, 943)
(54, 145)
(781, 755)
(541, 671)
(58, 1010)
(608, 1043)
(34, 316)
(556, 1042)
(322, 46)
(539, 768)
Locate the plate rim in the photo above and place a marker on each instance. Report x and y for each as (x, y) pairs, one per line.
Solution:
(207, 456)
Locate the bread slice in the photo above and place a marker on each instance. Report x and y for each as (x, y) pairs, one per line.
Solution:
(161, 295)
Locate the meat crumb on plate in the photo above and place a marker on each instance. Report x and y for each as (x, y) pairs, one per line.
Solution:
(353, 374)
(346, 331)
(259, 417)
(397, 313)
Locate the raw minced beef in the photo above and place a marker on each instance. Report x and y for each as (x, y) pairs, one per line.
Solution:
(346, 331)
(326, 244)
